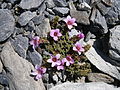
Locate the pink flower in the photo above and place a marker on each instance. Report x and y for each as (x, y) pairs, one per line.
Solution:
(68, 60)
(70, 22)
(78, 48)
(61, 66)
(80, 35)
(55, 33)
(35, 42)
(54, 60)
(39, 72)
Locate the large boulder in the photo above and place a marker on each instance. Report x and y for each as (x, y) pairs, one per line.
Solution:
(85, 86)
(114, 43)
(100, 63)
(28, 4)
(19, 70)
(7, 23)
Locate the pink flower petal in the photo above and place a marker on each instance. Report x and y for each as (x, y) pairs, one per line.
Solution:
(75, 24)
(44, 70)
(52, 33)
(53, 64)
(34, 73)
(60, 67)
(55, 38)
(39, 76)
(67, 63)
(37, 67)
(70, 26)
(57, 56)
(58, 62)
(75, 49)
(49, 60)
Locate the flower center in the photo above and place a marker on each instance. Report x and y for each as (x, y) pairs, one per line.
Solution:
(68, 58)
(39, 71)
(55, 33)
(54, 59)
(78, 48)
(69, 23)
(35, 42)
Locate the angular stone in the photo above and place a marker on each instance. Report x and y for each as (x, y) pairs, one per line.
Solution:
(112, 16)
(60, 11)
(101, 64)
(103, 9)
(38, 19)
(50, 3)
(7, 23)
(114, 43)
(108, 2)
(28, 4)
(81, 16)
(99, 20)
(20, 45)
(19, 70)
(26, 17)
(1, 66)
(43, 29)
(42, 8)
(35, 58)
(60, 3)
(99, 77)
(84, 86)
(13, 1)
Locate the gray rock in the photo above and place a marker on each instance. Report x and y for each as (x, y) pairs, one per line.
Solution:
(20, 45)
(61, 11)
(114, 43)
(38, 19)
(30, 27)
(50, 3)
(42, 8)
(99, 20)
(103, 9)
(108, 2)
(60, 3)
(99, 77)
(81, 16)
(26, 17)
(1, 66)
(28, 4)
(101, 64)
(6, 82)
(112, 16)
(13, 1)
(7, 23)
(87, 1)
(43, 29)
(19, 70)
(35, 58)
(84, 86)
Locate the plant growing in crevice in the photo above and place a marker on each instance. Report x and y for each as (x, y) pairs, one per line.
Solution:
(66, 55)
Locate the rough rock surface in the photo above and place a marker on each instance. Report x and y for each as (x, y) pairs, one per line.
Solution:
(26, 17)
(114, 43)
(1, 66)
(20, 45)
(7, 23)
(43, 28)
(99, 77)
(35, 57)
(101, 64)
(28, 4)
(19, 70)
(83, 14)
(84, 86)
